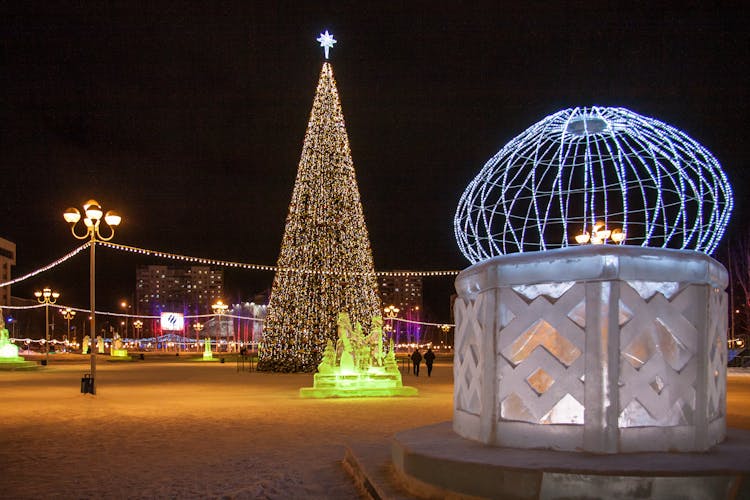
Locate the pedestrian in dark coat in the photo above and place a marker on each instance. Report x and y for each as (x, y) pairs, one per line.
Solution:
(416, 358)
(429, 358)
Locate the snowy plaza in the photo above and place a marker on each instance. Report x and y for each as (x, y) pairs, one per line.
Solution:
(173, 428)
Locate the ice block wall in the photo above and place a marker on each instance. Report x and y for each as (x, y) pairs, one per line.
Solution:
(597, 348)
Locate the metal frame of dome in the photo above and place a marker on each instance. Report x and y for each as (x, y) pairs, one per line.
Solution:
(581, 167)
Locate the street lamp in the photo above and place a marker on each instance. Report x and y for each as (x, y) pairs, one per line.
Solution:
(138, 324)
(68, 314)
(445, 328)
(92, 227)
(46, 297)
(391, 312)
(219, 308)
(197, 326)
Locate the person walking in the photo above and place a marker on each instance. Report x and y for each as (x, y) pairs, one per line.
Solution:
(416, 358)
(429, 358)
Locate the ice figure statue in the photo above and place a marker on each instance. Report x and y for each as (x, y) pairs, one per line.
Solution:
(117, 352)
(207, 354)
(344, 343)
(85, 344)
(363, 369)
(375, 341)
(9, 358)
(329, 359)
(100, 344)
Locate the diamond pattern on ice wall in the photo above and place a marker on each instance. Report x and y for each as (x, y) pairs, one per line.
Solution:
(658, 350)
(467, 362)
(540, 356)
(717, 361)
(631, 357)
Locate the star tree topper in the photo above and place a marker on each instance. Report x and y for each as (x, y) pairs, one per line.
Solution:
(326, 41)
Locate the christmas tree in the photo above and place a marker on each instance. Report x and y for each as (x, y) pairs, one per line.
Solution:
(325, 265)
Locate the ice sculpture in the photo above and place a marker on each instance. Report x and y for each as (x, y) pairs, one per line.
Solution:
(357, 366)
(605, 348)
(600, 348)
(85, 344)
(207, 354)
(9, 358)
(100, 344)
(117, 352)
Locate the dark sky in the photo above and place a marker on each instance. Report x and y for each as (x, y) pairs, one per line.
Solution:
(189, 118)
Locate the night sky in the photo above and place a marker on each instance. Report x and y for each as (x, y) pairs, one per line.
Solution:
(188, 118)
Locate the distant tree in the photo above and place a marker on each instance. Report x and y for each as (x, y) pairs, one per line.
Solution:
(739, 275)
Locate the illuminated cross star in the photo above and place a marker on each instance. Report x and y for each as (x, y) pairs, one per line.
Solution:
(326, 41)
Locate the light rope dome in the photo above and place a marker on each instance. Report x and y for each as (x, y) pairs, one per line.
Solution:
(586, 170)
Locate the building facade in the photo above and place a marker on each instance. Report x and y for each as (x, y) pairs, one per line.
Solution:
(404, 292)
(189, 290)
(7, 260)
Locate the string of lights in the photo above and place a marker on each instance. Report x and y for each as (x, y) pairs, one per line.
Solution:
(194, 316)
(585, 167)
(129, 316)
(263, 267)
(49, 266)
(217, 262)
(421, 323)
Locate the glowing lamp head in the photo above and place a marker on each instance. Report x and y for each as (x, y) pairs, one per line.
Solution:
(219, 307)
(38, 294)
(93, 210)
(583, 238)
(72, 215)
(113, 218)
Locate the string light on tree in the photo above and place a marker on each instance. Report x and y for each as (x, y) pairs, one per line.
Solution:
(325, 264)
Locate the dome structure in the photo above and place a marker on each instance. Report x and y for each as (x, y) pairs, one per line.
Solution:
(598, 175)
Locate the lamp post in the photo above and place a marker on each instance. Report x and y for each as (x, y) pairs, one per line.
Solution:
(219, 308)
(46, 297)
(138, 324)
(445, 328)
(125, 307)
(92, 227)
(391, 312)
(68, 314)
(197, 326)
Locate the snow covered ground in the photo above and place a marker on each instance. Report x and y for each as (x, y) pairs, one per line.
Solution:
(174, 428)
(168, 427)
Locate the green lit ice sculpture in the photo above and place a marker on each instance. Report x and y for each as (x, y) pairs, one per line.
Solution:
(207, 354)
(117, 352)
(9, 358)
(357, 366)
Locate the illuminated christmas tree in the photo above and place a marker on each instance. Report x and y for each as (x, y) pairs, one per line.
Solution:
(325, 265)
